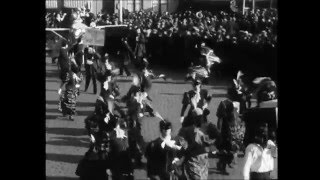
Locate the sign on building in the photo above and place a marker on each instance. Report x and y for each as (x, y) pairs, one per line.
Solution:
(51, 4)
(78, 3)
(94, 37)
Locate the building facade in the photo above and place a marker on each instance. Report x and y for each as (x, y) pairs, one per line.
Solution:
(111, 6)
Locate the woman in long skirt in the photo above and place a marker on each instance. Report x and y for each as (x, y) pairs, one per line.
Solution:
(232, 131)
(68, 101)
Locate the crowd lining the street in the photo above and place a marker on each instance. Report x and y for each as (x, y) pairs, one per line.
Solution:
(117, 145)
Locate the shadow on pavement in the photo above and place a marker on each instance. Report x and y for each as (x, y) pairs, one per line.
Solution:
(64, 158)
(51, 116)
(66, 131)
(52, 74)
(70, 141)
(53, 80)
(62, 178)
(53, 111)
(79, 104)
(212, 171)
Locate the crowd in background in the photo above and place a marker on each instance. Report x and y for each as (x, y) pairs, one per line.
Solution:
(174, 37)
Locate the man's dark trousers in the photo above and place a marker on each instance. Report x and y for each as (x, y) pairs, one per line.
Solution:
(90, 74)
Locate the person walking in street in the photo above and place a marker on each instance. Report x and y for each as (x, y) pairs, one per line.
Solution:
(124, 57)
(196, 98)
(64, 64)
(91, 57)
(232, 130)
(160, 153)
(68, 100)
(195, 154)
(140, 49)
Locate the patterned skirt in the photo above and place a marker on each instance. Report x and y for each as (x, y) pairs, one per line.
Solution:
(197, 167)
(68, 102)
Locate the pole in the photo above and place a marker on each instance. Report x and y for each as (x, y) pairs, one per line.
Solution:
(253, 5)
(271, 3)
(243, 6)
(120, 11)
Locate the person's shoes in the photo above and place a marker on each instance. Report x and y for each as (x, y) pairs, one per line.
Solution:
(71, 118)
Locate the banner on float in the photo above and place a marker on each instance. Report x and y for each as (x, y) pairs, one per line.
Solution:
(94, 37)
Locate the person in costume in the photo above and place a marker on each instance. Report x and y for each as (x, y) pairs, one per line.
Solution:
(196, 98)
(64, 64)
(194, 156)
(68, 100)
(232, 130)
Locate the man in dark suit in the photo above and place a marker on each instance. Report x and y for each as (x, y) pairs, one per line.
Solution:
(91, 57)
(160, 153)
(124, 56)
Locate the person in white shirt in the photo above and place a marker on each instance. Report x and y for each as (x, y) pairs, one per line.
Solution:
(259, 156)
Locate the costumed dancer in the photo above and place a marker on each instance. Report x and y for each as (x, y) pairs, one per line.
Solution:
(194, 156)
(138, 104)
(68, 100)
(195, 98)
(244, 90)
(202, 70)
(232, 130)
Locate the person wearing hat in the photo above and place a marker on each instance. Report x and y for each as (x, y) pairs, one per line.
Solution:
(140, 49)
(194, 152)
(124, 56)
(196, 98)
(91, 57)
(160, 153)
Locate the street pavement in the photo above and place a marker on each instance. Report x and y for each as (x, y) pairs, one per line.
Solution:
(67, 141)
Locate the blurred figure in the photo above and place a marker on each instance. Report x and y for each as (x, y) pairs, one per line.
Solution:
(91, 57)
(260, 155)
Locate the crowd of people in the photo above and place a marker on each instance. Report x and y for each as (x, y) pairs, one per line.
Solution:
(171, 37)
(117, 145)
